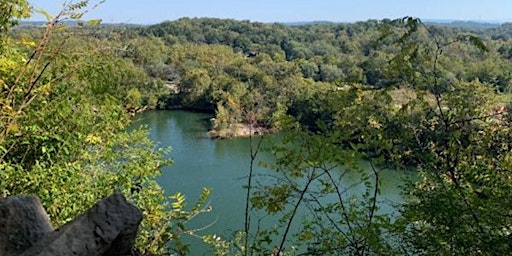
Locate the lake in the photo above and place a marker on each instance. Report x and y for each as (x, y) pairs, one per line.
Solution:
(221, 165)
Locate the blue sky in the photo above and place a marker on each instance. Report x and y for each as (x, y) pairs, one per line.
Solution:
(155, 11)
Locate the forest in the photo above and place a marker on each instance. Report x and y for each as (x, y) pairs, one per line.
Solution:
(430, 98)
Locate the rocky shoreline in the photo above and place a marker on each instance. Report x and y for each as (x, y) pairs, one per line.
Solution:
(239, 130)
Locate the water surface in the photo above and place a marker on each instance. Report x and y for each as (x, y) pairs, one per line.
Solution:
(221, 165)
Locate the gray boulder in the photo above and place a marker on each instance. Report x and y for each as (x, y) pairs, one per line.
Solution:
(108, 228)
(23, 222)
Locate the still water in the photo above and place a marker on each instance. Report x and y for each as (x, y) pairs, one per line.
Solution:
(221, 165)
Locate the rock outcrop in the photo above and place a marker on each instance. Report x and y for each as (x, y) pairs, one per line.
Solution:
(108, 228)
(23, 222)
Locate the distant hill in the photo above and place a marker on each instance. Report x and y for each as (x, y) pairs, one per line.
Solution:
(302, 23)
(75, 23)
(471, 25)
(465, 24)
(449, 21)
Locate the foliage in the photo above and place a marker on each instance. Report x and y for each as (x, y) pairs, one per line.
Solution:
(317, 210)
(394, 92)
(458, 136)
(64, 138)
(451, 130)
(470, 142)
(11, 11)
(372, 53)
(247, 67)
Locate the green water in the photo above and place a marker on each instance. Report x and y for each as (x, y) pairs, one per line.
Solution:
(221, 165)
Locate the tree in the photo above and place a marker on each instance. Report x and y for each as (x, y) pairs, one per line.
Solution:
(315, 209)
(11, 11)
(452, 131)
(64, 138)
(460, 205)
(195, 84)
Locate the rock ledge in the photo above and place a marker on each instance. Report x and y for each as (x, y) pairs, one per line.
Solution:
(108, 228)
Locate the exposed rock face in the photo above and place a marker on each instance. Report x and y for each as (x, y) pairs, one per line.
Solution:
(108, 228)
(23, 222)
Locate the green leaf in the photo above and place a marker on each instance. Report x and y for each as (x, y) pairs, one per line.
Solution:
(47, 15)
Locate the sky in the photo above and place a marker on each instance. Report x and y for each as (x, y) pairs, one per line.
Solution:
(155, 11)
